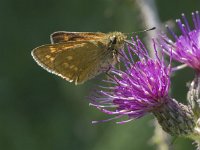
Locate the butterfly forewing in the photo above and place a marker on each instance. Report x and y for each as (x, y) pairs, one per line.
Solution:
(74, 61)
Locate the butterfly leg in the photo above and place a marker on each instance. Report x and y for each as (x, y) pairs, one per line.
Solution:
(116, 57)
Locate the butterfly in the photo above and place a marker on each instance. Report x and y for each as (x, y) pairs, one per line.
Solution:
(79, 56)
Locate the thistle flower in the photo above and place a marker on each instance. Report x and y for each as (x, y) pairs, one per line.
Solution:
(142, 88)
(186, 47)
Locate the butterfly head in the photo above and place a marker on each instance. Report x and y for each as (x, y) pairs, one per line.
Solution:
(117, 39)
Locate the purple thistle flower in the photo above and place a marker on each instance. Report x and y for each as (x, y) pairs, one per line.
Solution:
(142, 88)
(186, 47)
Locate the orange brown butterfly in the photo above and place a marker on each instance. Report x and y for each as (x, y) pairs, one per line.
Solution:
(80, 56)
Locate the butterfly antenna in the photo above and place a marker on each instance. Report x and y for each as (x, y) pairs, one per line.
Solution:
(146, 30)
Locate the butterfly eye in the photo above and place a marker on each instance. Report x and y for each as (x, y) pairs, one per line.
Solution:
(113, 40)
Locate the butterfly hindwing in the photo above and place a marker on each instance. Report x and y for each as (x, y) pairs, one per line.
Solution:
(63, 36)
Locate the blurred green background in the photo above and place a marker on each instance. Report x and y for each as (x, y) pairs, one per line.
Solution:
(40, 111)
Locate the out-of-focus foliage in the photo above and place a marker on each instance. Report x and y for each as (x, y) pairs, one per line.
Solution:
(39, 111)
